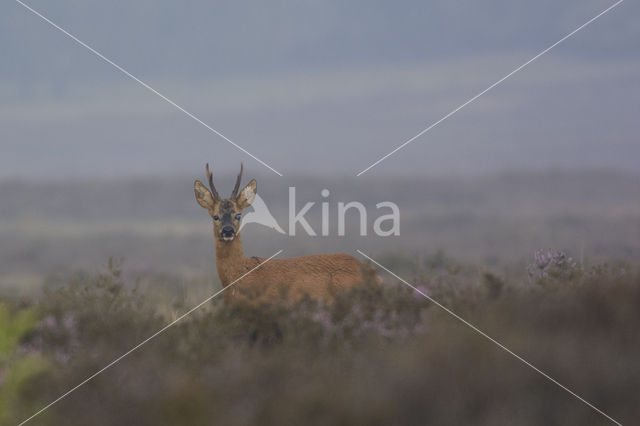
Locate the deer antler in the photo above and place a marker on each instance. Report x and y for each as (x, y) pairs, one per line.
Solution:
(234, 194)
(213, 188)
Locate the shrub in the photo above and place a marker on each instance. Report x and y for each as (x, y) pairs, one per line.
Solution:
(377, 354)
(552, 265)
(17, 370)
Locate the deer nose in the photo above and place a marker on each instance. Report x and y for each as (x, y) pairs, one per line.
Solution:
(227, 231)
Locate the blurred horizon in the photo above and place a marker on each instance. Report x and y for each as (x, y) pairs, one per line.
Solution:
(94, 162)
(320, 89)
(50, 229)
(229, 177)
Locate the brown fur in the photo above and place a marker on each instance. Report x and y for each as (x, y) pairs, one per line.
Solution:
(319, 276)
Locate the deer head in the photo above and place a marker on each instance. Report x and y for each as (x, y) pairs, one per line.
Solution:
(226, 213)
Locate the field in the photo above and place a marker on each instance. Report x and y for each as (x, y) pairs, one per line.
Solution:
(381, 354)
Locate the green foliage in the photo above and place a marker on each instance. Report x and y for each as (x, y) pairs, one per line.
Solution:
(13, 327)
(16, 370)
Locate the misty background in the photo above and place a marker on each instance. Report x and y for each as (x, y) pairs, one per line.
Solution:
(94, 165)
(317, 87)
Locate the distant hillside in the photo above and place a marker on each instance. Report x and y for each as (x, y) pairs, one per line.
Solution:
(157, 225)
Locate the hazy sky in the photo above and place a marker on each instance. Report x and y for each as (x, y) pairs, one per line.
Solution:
(317, 87)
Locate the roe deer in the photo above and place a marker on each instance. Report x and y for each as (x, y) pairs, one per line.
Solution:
(319, 276)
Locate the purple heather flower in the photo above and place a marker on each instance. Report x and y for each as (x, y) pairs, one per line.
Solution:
(555, 262)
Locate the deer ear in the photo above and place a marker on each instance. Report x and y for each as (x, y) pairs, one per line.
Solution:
(203, 195)
(246, 196)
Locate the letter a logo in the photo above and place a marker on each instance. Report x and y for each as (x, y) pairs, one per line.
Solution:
(260, 215)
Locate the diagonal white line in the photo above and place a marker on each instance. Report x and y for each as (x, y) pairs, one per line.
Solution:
(490, 87)
(136, 79)
(172, 323)
(500, 345)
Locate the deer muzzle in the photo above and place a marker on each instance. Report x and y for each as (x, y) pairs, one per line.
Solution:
(227, 230)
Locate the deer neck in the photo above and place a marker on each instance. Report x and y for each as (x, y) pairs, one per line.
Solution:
(230, 260)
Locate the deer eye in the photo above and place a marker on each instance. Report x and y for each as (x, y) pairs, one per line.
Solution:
(216, 217)
(238, 216)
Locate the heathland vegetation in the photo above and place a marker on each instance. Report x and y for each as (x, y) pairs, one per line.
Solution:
(380, 354)
(377, 355)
